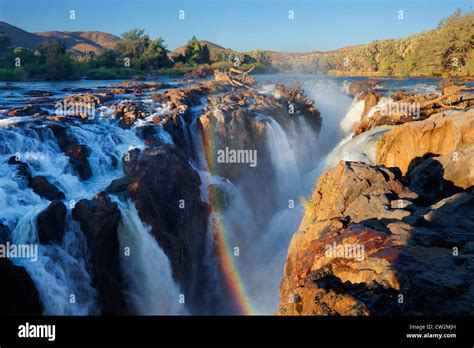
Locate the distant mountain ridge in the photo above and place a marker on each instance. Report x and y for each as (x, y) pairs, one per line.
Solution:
(76, 42)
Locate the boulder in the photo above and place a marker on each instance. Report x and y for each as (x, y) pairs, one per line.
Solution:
(28, 110)
(99, 219)
(78, 157)
(42, 187)
(38, 93)
(78, 153)
(51, 223)
(23, 169)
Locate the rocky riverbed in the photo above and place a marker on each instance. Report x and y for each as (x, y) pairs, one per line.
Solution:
(122, 188)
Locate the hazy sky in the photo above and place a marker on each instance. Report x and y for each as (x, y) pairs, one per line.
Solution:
(239, 24)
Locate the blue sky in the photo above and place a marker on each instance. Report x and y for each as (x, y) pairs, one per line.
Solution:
(239, 24)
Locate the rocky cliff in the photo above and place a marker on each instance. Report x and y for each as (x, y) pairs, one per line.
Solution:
(395, 238)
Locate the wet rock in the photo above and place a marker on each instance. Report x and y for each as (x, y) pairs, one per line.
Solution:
(51, 223)
(38, 93)
(42, 187)
(4, 233)
(28, 110)
(99, 219)
(22, 168)
(78, 153)
(128, 112)
(18, 294)
(166, 192)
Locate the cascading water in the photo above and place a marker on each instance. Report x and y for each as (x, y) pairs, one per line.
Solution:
(146, 269)
(60, 273)
(283, 158)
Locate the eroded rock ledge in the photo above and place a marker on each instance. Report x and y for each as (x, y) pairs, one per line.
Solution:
(396, 238)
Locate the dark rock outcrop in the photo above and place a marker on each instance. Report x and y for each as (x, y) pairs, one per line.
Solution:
(78, 153)
(42, 187)
(28, 110)
(166, 192)
(51, 223)
(99, 219)
(18, 294)
(23, 170)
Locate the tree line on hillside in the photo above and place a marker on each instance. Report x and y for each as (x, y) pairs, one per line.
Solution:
(135, 54)
(444, 51)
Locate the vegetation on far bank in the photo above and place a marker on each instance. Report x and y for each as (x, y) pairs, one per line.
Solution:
(135, 55)
(444, 51)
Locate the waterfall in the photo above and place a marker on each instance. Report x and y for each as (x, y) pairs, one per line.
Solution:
(146, 270)
(353, 115)
(60, 272)
(283, 158)
(359, 148)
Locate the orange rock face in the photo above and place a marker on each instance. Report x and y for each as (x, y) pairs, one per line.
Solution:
(437, 135)
(368, 245)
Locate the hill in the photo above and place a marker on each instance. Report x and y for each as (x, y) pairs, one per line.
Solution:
(210, 45)
(76, 43)
(80, 42)
(20, 37)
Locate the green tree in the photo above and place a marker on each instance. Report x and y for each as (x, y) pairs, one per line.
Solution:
(58, 65)
(205, 55)
(193, 52)
(155, 55)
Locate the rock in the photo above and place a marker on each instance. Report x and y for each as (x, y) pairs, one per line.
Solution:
(442, 176)
(408, 107)
(38, 93)
(99, 219)
(354, 254)
(437, 135)
(160, 181)
(128, 112)
(4, 233)
(359, 191)
(180, 100)
(28, 110)
(199, 72)
(22, 168)
(138, 87)
(358, 86)
(42, 187)
(78, 153)
(18, 294)
(51, 223)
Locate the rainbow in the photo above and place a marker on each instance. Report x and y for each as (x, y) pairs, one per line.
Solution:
(223, 250)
